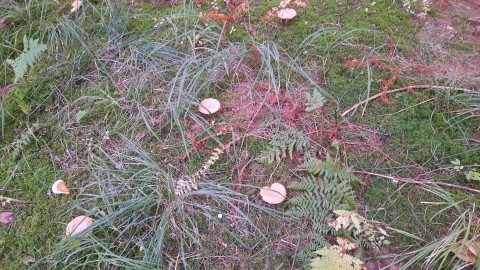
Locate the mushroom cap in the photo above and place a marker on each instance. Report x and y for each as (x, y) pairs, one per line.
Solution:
(468, 252)
(474, 247)
(209, 106)
(59, 187)
(76, 4)
(273, 194)
(287, 13)
(79, 224)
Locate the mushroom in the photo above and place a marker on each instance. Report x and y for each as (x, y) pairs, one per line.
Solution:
(286, 14)
(78, 225)
(59, 187)
(273, 194)
(209, 106)
(474, 247)
(76, 4)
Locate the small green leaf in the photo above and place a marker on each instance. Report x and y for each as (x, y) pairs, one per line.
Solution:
(80, 115)
(23, 106)
(457, 166)
(32, 50)
(386, 242)
(473, 175)
(314, 100)
(455, 162)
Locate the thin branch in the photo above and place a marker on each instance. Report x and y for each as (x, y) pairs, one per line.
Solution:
(419, 182)
(8, 200)
(407, 88)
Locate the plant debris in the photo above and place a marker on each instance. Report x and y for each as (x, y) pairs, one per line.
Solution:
(7, 218)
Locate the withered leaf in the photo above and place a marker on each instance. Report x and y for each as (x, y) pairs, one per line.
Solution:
(27, 260)
(7, 217)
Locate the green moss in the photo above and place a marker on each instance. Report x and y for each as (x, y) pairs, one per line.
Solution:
(238, 34)
(401, 207)
(37, 227)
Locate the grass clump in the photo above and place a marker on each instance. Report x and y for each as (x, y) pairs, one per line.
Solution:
(142, 220)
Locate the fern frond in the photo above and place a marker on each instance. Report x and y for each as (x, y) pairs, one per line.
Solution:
(309, 183)
(362, 229)
(25, 139)
(330, 189)
(314, 100)
(284, 143)
(187, 183)
(328, 169)
(32, 49)
(270, 155)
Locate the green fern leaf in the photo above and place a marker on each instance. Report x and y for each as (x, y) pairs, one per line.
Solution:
(314, 100)
(32, 49)
(319, 196)
(284, 142)
(328, 169)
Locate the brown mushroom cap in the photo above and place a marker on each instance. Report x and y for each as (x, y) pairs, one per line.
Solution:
(273, 194)
(59, 187)
(79, 224)
(76, 4)
(474, 247)
(287, 14)
(209, 106)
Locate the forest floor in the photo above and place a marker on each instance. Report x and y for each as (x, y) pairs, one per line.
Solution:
(365, 106)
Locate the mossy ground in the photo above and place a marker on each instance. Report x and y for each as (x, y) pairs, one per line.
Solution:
(424, 135)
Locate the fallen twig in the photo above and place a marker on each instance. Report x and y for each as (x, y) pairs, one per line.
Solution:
(8, 200)
(408, 88)
(415, 181)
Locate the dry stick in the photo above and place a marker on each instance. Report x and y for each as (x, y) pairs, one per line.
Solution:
(424, 86)
(414, 181)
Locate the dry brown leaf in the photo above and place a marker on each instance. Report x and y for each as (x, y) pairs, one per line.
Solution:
(76, 4)
(353, 64)
(27, 260)
(384, 84)
(200, 3)
(215, 15)
(241, 9)
(6, 21)
(7, 218)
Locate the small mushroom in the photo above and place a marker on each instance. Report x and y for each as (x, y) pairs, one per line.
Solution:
(273, 194)
(59, 187)
(76, 4)
(286, 15)
(78, 225)
(474, 247)
(209, 106)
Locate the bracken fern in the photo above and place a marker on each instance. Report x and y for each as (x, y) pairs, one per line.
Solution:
(328, 190)
(31, 51)
(284, 141)
(328, 169)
